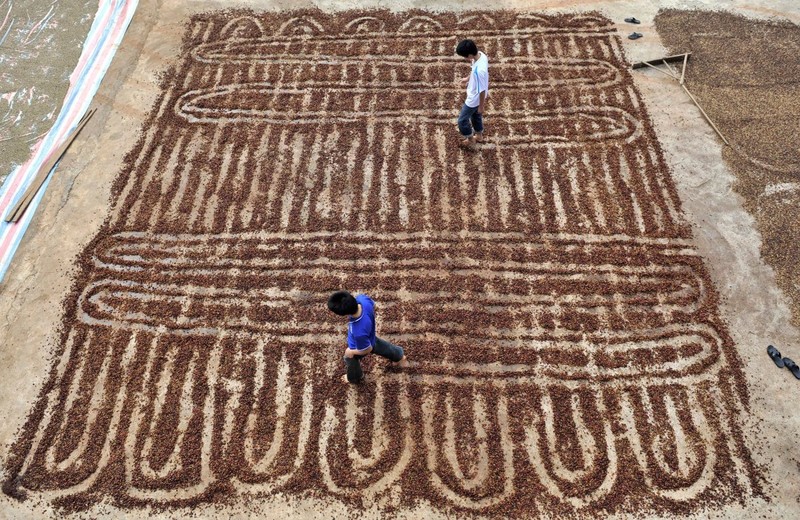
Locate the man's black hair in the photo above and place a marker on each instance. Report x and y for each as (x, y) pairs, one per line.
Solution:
(466, 48)
(342, 303)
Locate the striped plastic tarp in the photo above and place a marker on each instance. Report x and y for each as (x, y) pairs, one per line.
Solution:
(105, 35)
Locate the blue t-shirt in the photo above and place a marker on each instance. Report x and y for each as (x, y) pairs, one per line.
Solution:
(361, 331)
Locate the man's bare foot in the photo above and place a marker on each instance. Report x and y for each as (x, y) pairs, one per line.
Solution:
(403, 363)
(469, 143)
(345, 380)
(478, 137)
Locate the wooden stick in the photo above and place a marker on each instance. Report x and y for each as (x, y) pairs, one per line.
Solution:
(41, 175)
(673, 71)
(45, 169)
(685, 58)
(661, 71)
(683, 70)
(677, 57)
(705, 115)
(21, 205)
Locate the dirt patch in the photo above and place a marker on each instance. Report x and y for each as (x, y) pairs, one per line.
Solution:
(745, 73)
(568, 353)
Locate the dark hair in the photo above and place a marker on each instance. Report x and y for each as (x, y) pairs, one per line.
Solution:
(342, 303)
(466, 48)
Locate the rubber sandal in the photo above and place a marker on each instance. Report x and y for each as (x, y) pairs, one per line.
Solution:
(634, 36)
(775, 356)
(632, 20)
(792, 366)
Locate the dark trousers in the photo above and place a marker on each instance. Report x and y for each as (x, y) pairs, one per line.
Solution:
(468, 120)
(382, 348)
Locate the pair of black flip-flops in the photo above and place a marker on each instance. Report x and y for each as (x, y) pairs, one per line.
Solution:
(634, 35)
(782, 362)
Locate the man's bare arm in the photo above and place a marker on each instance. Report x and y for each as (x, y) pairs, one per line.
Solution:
(350, 352)
(481, 101)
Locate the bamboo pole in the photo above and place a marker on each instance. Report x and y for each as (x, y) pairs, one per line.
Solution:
(705, 115)
(676, 57)
(673, 71)
(661, 71)
(674, 75)
(683, 70)
(44, 171)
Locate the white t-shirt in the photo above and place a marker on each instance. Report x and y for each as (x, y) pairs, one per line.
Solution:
(478, 80)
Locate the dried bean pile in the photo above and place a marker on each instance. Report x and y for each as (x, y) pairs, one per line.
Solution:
(568, 357)
(754, 98)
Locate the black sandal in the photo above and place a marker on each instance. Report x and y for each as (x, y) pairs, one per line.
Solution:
(632, 20)
(775, 356)
(634, 36)
(792, 366)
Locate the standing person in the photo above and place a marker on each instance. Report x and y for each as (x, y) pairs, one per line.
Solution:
(361, 338)
(470, 121)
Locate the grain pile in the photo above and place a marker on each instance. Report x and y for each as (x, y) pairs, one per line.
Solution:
(568, 355)
(745, 72)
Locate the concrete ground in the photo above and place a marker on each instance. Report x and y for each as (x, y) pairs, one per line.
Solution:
(77, 201)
